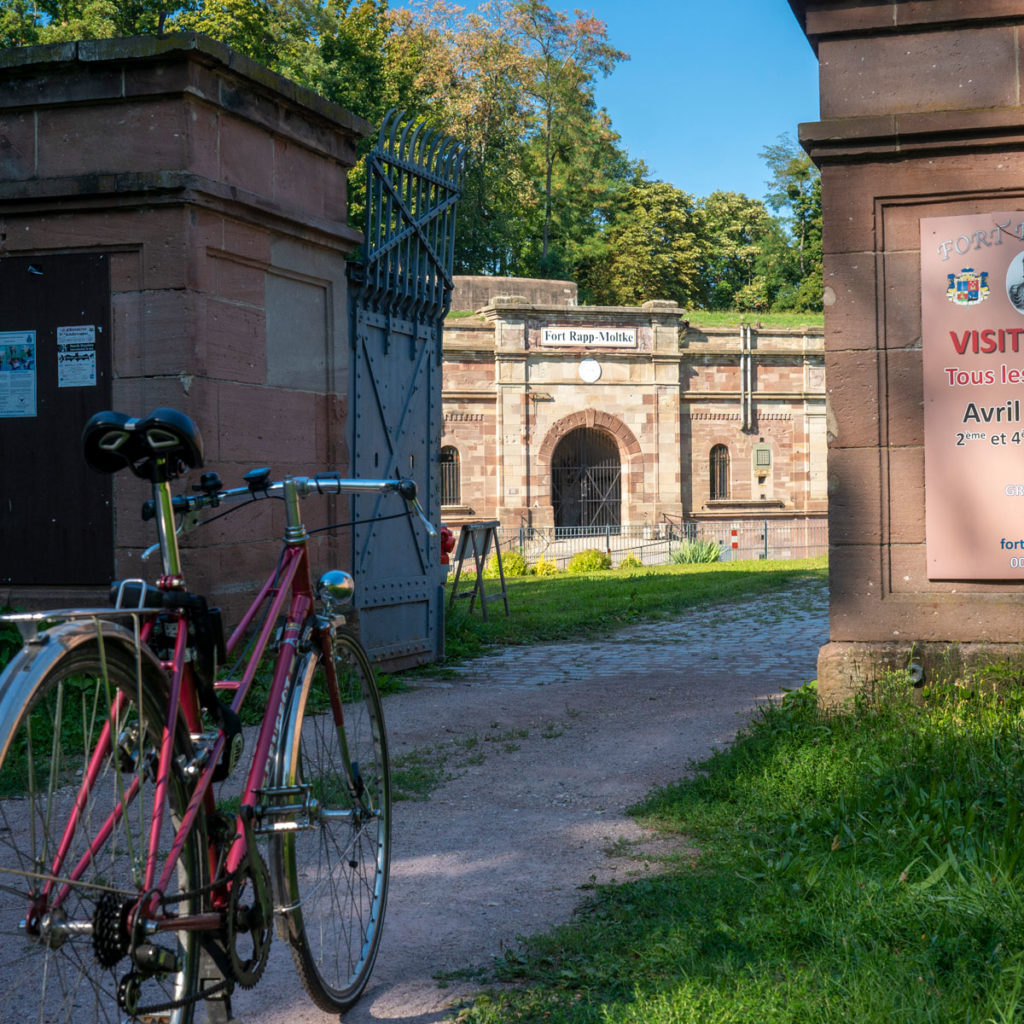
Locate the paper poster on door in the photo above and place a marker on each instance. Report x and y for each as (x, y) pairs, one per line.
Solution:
(17, 373)
(972, 320)
(76, 357)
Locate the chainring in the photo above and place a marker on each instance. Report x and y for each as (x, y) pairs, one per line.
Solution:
(250, 920)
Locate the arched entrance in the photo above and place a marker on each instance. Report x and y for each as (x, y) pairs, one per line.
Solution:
(586, 482)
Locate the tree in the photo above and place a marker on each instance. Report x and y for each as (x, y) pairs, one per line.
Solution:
(735, 230)
(562, 59)
(794, 191)
(467, 82)
(25, 23)
(512, 81)
(654, 249)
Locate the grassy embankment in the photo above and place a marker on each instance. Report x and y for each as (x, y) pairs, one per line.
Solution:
(863, 867)
(702, 318)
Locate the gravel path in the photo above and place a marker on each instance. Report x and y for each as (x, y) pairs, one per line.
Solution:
(543, 748)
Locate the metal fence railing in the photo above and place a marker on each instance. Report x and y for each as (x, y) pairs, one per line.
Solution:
(740, 540)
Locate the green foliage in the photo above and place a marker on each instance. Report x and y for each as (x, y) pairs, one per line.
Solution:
(589, 560)
(696, 551)
(855, 867)
(789, 266)
(631, 561)
(10, 639)
(548, 188)
(653, 249)
(545, 567)
(734, 231)
(56, 21)
(513, 563)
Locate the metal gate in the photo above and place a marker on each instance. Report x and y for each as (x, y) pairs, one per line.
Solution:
(399, 298)
(586, 482)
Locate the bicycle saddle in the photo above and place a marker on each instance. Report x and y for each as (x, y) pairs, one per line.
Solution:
(113, 441)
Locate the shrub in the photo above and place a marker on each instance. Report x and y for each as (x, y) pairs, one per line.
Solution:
(512, 563)
(589, 560)
(691, 551)
(631, 562)
(545, 567)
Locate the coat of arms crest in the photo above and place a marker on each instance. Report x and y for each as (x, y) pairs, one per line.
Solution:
(967, 287)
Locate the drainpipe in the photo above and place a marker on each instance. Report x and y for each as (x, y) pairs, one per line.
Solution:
(746, 400)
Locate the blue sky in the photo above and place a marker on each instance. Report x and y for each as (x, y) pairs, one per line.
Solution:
(707, 86)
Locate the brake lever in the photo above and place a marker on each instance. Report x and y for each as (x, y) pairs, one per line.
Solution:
(431, 529)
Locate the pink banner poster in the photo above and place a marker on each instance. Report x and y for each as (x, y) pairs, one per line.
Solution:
(972, 337)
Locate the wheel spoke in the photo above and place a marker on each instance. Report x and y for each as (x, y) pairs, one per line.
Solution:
(333, 876)
(76, 800)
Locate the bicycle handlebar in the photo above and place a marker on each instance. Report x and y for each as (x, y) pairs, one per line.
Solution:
(259, 487)
(322, 483)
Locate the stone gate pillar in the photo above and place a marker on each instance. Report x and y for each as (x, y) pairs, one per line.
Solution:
(921, 121)
(211, 196)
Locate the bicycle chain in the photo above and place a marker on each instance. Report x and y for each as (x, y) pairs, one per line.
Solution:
(254, 919)
(225, 958)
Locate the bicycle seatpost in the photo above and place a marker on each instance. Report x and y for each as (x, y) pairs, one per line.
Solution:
(163, 508)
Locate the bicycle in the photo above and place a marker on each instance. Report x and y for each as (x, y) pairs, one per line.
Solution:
(132, 878)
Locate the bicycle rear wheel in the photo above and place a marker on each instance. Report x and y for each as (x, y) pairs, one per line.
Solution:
(331, 876)
(92, 708)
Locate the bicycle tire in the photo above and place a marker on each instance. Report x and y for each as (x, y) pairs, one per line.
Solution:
(54, 716)
(331, 879)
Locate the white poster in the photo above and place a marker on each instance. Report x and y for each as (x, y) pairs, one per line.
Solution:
(76, 357)
(17, 373)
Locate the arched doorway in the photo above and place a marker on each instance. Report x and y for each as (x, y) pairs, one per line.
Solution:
(586, 482)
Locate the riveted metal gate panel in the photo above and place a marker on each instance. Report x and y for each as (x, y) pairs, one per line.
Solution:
(400, 296)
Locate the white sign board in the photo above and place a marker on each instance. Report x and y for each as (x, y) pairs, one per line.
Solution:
(76, 356)
(591, 337)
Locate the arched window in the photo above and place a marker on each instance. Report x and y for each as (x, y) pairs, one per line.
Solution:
(719, 472)
(586, 482)
(451, 484)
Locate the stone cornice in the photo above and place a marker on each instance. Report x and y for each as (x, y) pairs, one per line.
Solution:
(897, 136)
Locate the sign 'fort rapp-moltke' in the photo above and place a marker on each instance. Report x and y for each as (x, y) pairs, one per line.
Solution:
(972, 321)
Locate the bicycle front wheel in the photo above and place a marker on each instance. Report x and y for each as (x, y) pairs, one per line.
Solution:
(331, 873)
(77, 775)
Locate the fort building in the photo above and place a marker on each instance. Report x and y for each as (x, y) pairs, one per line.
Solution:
(571, 417)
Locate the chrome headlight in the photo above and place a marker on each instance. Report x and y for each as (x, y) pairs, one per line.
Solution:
(336, 589)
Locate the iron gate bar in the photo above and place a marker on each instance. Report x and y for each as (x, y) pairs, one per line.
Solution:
(586, 474)
(399, 296)
(397, 171)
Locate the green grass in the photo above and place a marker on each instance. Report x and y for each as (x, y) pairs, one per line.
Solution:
(591, 604)
(858, 868)
(722, 318)
(699, 318)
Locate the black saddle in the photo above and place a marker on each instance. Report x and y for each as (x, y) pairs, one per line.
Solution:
(164, 442)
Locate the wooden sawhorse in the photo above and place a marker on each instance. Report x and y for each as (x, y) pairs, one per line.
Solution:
(475, 539)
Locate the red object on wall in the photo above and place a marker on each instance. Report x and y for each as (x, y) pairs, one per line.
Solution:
(447, 544)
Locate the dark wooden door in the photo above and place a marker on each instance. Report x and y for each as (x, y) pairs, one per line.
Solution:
(56, 524)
